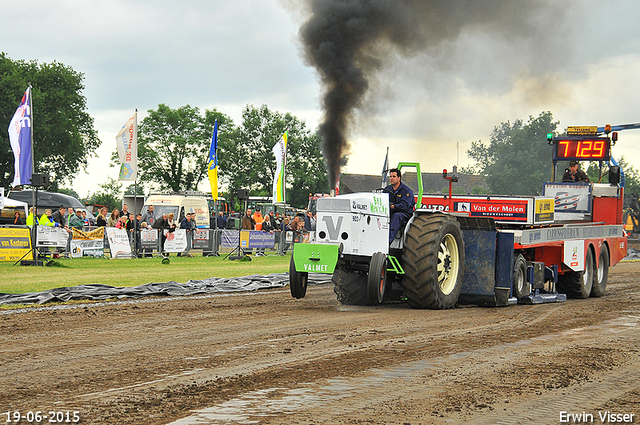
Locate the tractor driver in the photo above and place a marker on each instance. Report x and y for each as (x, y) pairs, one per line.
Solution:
(575, 175)
(401, 202)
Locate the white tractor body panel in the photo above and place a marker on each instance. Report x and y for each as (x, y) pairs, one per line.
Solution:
(358, 221)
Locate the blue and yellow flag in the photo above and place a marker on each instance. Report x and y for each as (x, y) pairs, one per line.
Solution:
(213, 163)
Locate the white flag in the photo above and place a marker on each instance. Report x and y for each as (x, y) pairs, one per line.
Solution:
(127, 140)
(280, 152)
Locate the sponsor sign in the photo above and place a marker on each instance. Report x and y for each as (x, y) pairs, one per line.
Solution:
(47, 236)
(87, 244)
(257, 239)
(574, 255)
(14, 243)
(248, 239)
(149, 238)
(500, 209)
(582, 130)
(118, 243)
(543, 210)
(569, 197)
(551, 234)
(202, 239)
(175, 241)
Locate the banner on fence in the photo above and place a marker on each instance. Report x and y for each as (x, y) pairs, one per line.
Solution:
(55, 237)
(248, 239)
(118, 243)
(149, 238)
(14, 243)
(257, 239)
(229, 239)
(87, 244)
(202, 240)
(176, 241)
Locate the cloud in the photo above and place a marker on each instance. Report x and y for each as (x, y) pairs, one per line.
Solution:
(469, 69)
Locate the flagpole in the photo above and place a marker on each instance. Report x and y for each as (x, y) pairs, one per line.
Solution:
(33, 191)
(135, 192)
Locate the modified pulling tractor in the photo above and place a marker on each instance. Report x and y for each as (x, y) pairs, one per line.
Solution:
(484, 250)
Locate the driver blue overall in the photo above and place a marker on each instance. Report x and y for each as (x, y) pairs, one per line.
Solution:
(404, 202)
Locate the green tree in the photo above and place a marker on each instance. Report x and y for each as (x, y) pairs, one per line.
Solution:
(69, 192)
(517, 160)
(134, 189)
(246, 158)
(173, 146)
(109, 195)
(64, 137)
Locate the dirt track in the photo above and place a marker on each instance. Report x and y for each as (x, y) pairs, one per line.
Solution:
(267, 358)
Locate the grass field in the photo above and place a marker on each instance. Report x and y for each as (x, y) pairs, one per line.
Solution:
(130, 272)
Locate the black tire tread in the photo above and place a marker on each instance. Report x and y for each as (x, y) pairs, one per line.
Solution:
(420, 260)
(377, 268)
(350, 287)
(598, 288)
(571, 283)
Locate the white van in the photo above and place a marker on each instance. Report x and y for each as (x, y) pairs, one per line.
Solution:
(179, 205)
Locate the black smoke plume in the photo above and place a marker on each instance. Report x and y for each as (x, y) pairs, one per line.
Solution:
(348, 41)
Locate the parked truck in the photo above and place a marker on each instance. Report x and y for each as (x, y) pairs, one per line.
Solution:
(484, 250)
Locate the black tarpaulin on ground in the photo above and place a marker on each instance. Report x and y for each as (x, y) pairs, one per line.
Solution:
(212, 285)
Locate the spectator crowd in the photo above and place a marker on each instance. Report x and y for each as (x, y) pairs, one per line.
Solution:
(68, 219)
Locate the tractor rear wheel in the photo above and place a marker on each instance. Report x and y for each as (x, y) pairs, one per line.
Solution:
(433, 262)
(297, 281)
(602, 273)
(350, 287)
(578, 284)
(377, 278)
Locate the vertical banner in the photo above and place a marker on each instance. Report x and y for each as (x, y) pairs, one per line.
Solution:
(20, 137)
(280, 152)
(213, 163)
(127, 140)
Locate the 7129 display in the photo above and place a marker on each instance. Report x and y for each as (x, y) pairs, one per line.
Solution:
(581, 149)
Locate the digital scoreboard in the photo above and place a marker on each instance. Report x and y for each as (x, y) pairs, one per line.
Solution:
(582, 148)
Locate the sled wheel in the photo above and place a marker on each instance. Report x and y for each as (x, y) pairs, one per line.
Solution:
(433, 261)
(578, 284)
(521, 288)
(350, 287)
(297, 281)
(602, 273)
(377, 278)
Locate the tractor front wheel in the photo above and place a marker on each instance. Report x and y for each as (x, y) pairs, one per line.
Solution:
(433, 261)
(297, 281)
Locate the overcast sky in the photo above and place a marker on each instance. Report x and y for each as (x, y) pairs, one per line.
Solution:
(578, 59)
